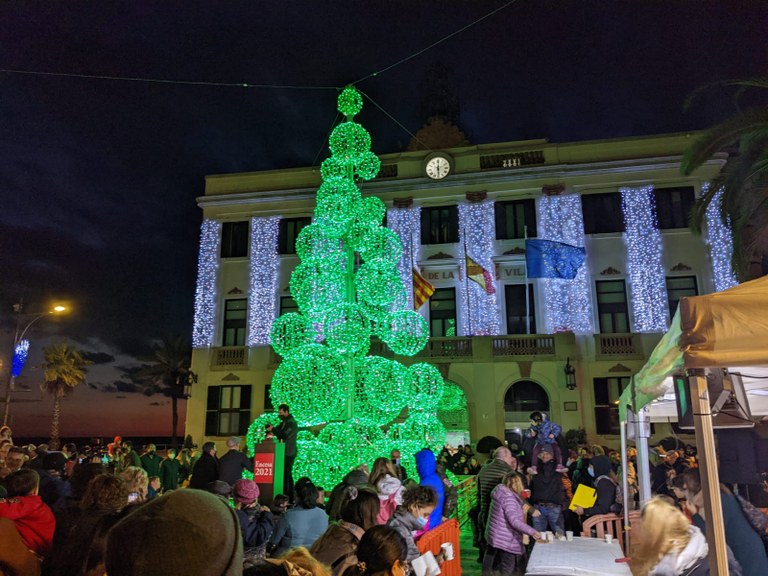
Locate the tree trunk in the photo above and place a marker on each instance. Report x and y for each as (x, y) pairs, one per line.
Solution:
(54, 443)
(175, 410)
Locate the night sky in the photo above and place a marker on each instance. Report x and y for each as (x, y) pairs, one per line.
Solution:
(99, 177)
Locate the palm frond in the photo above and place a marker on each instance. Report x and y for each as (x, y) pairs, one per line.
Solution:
(759, 82)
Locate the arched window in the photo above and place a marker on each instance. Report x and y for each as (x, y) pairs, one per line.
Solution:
(526, 396)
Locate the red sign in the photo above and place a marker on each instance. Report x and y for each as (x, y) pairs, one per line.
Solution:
(263, 468)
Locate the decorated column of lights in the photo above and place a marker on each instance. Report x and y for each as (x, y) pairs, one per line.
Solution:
(405, 222)
(19, 357)
(262, 282)
(205, 293)
(348, 287)
(479, 310)
(567, 303)
(720, 241)
(648, 287)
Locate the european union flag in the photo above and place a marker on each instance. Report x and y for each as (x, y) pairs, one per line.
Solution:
(548, 259)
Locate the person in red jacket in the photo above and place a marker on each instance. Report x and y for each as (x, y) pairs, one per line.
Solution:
(33, 519)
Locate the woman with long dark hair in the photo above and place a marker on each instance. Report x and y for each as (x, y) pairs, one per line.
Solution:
(301, 525)
(382, 552)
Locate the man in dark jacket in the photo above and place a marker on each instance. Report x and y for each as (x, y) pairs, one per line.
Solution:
(547, 493)
(286, 431)
(206, 469)
(488, 478)
(232, 464)
(151, 461)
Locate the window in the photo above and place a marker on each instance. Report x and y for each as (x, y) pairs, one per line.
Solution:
(612, 306)
(607, 394)
(678, 287)
(287, 233)
(228, 411)
(514, 295)
(513, 217)
(442, 312)
(288, 304)
(673, 206)
(234, 239)
(440, 225)
(602, 213)
(235, 312)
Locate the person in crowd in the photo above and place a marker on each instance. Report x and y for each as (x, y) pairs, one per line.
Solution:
(33, 519)
(36, 463)
(547, 493)
(400, 472)
(358, 478)
(154, 487)
(94, 554)
(183, 457)
(286, 432)
(301, 525)
(388, 487)
(114, 448)
(53, 486)
(5, 446)
(295, 562)
(256, 522)
(412, 517)
(544, 433)
(428, 476)
(506, 526)
(206, 469)
(280, 504)
(741, 538)
(14, 460)
(6, 433)
(129, 456)
(601, 469)
(137, 482)
(234, 462)
(170, 471)
(451, 493)
(670, 465)
(221, 489)
(337, 547)
(146, 542)
(488, 478)
(382, 552)
(70, 451)
(15, 556)
(151, 461)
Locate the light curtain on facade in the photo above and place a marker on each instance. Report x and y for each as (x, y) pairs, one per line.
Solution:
(720, 244)
(406, 223)
(262, 281)
(207, 275)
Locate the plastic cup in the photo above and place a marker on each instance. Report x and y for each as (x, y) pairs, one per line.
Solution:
(608, 538)
(569, 535)
(447, 549)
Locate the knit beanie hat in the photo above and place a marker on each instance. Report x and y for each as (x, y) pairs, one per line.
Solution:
(245, 491)
(201, 529)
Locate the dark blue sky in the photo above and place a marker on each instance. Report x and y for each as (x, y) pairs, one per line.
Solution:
(99, 177)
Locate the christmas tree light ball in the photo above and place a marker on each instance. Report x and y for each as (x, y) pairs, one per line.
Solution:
(316, 286)
(348, 140)
(371, 210)
(381, 244)
(257, 431)
(333, 167)
(312, 243)
(377, 282)
(350, 102)
(406, 332)
(346, 328)
(453, 397)
(367, 166)
(317, 461)
(383, 384)
(424, 428)
(342, 186)
(290, 331)
(335, 214)
(426, 385)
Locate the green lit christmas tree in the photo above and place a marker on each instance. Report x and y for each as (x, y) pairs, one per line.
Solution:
(348, 290)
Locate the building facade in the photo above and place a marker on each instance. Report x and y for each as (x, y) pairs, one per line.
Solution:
(508, 348)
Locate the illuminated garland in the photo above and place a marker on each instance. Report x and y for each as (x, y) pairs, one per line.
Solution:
(19, 357)
(644, 251)
(262, 304)
(205, 293)
(720, 242)
(567, 303)
(406, 222)
(477, 225)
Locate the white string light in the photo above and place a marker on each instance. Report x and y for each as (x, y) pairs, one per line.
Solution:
(205, 293)
(477, 225)
(262, 281)
(644, 265)
(720, 243)
(567, 303)
(406, 223)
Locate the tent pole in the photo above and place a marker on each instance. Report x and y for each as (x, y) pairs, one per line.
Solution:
(625, 486)
(643, 464)
(710, 482)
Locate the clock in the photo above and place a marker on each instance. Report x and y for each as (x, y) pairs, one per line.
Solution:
(438, 166)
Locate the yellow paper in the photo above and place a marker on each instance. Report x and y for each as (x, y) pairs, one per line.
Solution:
(584, 497)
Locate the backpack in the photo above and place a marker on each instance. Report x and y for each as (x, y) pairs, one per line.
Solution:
(756, 518)
(618, 498)
(387, 508)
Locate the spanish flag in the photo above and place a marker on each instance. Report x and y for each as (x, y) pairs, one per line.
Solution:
(478, 274)
(422, 289)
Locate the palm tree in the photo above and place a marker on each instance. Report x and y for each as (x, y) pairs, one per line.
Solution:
(743, 180)
(172, 373)
(64, 370)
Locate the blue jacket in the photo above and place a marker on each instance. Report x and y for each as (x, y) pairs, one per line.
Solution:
(543, 431)
(425, 466)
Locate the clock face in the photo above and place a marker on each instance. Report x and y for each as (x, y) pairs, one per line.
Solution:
(438, 167)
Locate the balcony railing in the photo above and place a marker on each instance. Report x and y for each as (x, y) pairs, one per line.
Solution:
(460, 347)
(524, 345)
(614, 345)
(229, 357)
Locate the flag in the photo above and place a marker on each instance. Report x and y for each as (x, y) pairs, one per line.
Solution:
(549, 259)
(478, 274)
(422, 289)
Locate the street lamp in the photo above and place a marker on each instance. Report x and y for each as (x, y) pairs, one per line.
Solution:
(21, 345)
(570, 375)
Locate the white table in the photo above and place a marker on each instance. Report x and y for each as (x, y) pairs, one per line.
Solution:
(579, 557)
